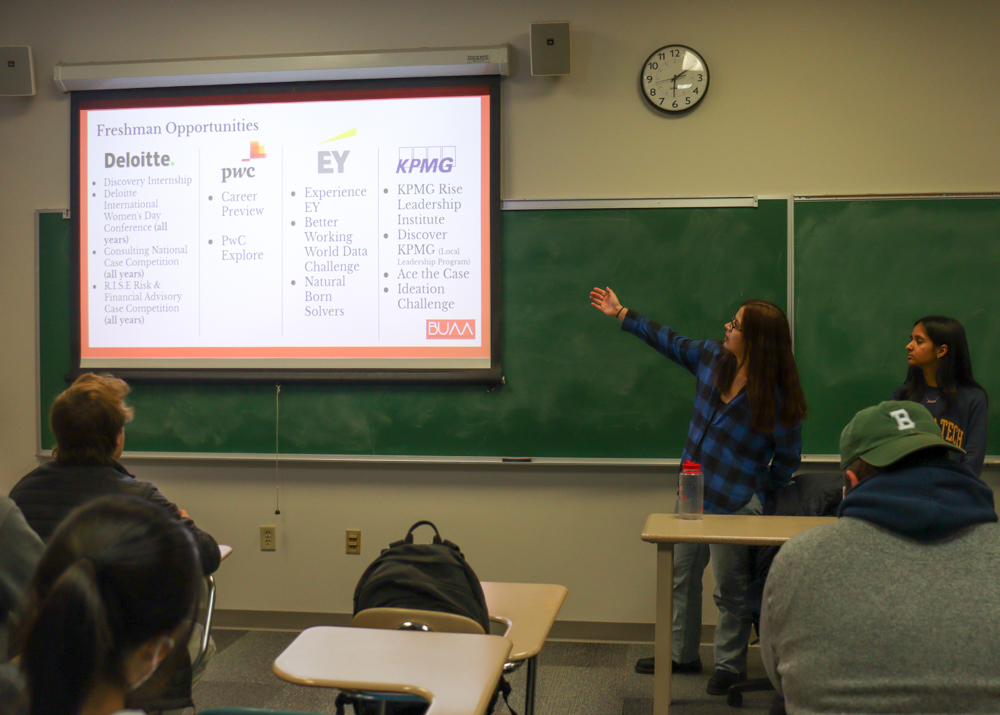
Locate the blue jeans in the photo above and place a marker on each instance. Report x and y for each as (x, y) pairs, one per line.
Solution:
(731, 566)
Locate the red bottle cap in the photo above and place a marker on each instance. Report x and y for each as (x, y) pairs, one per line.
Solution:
(690, 467)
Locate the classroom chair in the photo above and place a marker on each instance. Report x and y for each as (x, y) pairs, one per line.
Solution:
(814, 493)
(207, 629)
(407, 619)
(412, 619)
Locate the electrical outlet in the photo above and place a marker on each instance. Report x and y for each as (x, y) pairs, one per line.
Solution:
(268, 538)
(354, 541)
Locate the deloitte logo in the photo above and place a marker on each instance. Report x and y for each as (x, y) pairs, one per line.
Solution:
(128, 159)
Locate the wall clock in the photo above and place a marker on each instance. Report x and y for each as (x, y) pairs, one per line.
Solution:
(674, 79)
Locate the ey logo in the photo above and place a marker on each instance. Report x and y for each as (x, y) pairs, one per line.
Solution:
(323, 159)
(451, 329)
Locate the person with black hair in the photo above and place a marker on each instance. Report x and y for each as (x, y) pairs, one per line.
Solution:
(20, 549)
(940, 378)
(13, 699)
(895, 606)
(109, 609)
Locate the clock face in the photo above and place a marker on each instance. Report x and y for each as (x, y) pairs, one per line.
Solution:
(674, 79)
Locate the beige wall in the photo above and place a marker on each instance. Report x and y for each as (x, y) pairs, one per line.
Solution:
(847, 97)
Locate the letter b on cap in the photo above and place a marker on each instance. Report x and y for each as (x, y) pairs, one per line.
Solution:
(903, 420)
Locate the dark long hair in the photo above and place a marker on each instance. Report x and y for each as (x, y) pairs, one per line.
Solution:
(772, 376)
(954, 369)
(118, 572)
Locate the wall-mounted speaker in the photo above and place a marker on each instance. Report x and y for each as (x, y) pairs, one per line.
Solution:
(549, 48)
(17, 72)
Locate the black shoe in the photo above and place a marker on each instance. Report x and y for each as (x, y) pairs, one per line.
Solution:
(645, 666)
(719, 683)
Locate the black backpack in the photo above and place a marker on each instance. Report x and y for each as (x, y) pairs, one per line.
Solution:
(429, 577)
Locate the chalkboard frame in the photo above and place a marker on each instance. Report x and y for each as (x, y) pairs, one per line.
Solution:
(490, 376)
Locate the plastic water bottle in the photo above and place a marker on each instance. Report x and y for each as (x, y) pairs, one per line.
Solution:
(690, 491)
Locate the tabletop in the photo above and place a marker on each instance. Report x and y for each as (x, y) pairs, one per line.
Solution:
(528, 609)
(456, 672)
(748, 529)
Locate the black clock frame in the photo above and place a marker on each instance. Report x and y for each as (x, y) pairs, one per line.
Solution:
(685, 110)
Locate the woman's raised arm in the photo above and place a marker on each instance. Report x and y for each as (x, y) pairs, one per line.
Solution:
(605, 300)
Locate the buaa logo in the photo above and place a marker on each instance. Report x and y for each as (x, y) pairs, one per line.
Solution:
(451, 329)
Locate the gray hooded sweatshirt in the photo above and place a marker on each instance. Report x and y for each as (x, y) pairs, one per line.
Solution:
(895, 607)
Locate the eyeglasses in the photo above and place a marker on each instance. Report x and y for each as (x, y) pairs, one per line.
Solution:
(736, 324)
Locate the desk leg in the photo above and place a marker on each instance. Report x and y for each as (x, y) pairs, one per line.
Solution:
(529, 688)
(664, 636)
(209, 611)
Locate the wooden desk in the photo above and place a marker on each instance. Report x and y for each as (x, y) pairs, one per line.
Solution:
(665, 530)
(456, 672)
(528, 610)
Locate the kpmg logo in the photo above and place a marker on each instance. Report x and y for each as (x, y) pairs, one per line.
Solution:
(451, 329)
(426, 160)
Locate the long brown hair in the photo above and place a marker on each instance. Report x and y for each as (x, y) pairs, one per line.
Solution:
(772, 377)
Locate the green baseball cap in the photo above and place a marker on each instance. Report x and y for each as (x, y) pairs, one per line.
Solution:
(888, 432)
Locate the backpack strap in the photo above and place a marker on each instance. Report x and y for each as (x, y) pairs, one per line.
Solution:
(503, 690)
(409, 534)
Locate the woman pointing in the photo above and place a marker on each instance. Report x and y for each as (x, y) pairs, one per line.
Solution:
(746, 434)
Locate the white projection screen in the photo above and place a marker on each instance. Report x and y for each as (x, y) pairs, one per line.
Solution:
(336, 231)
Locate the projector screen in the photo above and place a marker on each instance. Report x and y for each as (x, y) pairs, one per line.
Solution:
(343, 231)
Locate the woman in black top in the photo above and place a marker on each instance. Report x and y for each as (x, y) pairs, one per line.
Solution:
(940, 378)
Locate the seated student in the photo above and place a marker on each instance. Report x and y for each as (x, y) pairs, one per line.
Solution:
(88, 420)
(940, 378)
(113, 597)
(20, 549)
(13, 700)
(895, 607)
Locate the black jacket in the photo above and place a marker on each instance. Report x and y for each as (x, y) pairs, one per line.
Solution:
(48, 494)
(809, 494)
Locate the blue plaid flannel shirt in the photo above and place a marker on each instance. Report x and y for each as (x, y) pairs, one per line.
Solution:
(736, 460)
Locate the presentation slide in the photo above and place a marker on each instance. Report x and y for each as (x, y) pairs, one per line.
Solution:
(321, 230)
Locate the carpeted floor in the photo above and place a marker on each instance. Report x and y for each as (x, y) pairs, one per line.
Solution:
(573, 679)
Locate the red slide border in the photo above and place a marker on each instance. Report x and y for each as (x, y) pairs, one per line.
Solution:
(481, 351)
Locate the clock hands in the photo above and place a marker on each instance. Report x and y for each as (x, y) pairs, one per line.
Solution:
(672, 79)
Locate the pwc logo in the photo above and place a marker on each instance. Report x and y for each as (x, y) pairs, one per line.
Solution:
(451, 329)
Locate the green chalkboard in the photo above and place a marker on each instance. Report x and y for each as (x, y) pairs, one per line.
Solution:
(864, 272)
(575, 385)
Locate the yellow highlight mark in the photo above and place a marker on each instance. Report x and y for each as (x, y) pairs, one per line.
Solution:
(350, 133)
